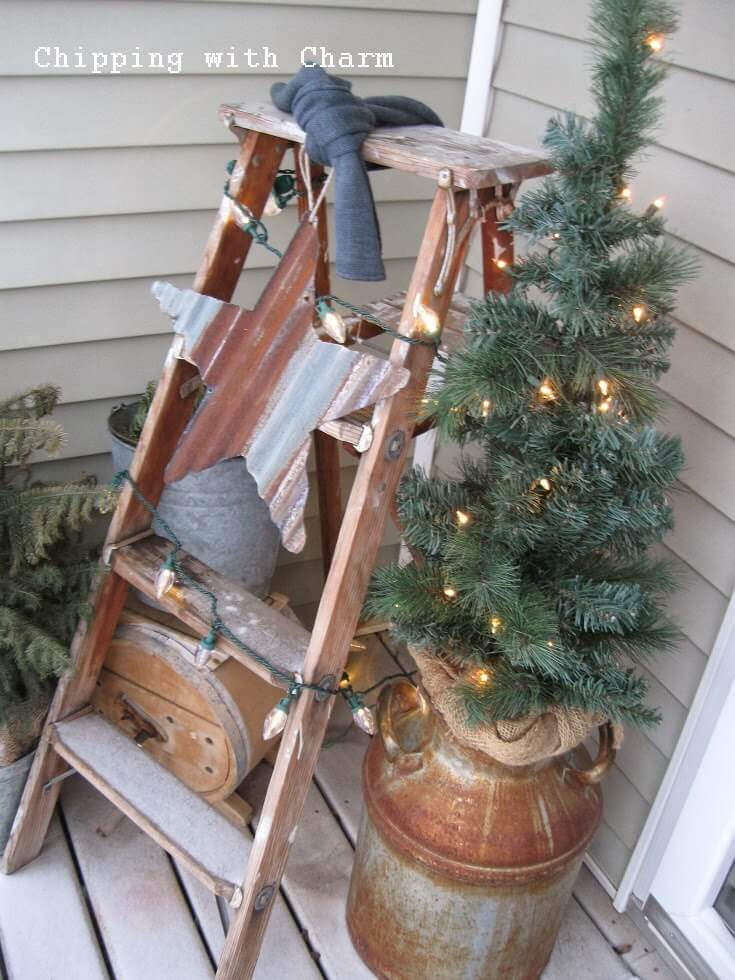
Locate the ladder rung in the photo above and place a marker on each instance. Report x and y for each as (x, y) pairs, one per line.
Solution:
(262, 628)
(390, 309)
(175, 816)
(356, 430)
(353, 429)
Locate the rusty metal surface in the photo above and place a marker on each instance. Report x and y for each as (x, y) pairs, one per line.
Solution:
(464, 867)
(271, 380)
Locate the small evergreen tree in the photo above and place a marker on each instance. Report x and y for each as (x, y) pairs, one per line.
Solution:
(47, 569)
(531, 568)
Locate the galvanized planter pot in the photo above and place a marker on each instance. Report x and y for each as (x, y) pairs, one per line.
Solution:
(464, 867)
(217, 514)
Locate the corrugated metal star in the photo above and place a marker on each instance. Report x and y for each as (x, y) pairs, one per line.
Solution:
(271, 382)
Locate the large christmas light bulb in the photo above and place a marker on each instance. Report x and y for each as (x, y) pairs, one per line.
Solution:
(332, 322)
(272, 207)
(362, 716)
(365, 719)
(205, 649)
(275, 720)
(166, 578)
(428, 320)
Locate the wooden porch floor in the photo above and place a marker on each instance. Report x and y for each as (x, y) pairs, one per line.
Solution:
(103, 901)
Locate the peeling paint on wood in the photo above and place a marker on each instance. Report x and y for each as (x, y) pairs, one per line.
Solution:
(475, 162)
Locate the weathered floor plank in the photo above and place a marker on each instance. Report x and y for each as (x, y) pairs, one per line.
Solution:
(44, 925)
(146, 921)
(204, 906)
(317, 879)
(284, 953)
(142, 915)
(582, 953)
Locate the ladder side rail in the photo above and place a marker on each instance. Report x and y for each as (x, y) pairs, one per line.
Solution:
(377, 478)
(497, 243)
(224, 256)
(326, 448)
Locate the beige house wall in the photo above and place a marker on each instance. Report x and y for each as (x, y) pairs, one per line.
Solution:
(108, 182)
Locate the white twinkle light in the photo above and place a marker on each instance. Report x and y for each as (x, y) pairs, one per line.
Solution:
(546, 391)
(655, 42)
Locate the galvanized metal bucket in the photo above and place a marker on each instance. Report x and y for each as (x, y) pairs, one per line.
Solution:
(217, 514)
(464, 867)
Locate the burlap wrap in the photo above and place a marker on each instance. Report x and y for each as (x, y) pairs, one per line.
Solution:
(514, 743)
(18, 737)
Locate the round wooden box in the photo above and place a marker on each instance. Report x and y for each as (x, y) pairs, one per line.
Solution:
(203, 725)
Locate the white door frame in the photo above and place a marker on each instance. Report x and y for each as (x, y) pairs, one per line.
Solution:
(688, 842)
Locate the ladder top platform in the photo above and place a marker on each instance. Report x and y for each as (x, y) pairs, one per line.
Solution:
(475, 162)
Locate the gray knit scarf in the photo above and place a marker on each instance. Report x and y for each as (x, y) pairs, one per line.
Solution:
(336, 122)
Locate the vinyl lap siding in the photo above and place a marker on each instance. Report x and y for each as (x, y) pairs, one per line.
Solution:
(542, 68)
(108, 182)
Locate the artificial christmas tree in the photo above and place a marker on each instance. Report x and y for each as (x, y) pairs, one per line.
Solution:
(47, 567)
(531, 597)
(531, 583)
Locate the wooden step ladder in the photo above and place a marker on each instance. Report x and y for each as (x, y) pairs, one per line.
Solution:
(476, 181)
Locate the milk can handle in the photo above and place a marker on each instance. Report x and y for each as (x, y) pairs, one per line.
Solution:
(410, 697)
(605, 757)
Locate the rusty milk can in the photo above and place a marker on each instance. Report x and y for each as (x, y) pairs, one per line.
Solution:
(464, 866)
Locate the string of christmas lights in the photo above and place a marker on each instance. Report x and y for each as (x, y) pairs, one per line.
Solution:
(426, 319)
(172, 571)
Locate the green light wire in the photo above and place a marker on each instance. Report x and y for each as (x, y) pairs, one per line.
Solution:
(259, 233)
(217, 624)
